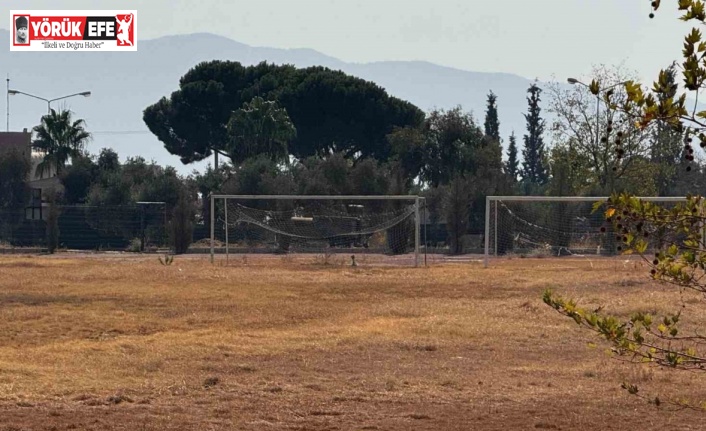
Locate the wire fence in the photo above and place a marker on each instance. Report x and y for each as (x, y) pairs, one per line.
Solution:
(147, 228)
(124, 228)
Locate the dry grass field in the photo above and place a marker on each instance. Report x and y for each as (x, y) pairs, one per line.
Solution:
(289, 344)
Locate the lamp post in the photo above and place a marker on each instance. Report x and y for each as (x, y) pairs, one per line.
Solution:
(574, 81)
(14, 92)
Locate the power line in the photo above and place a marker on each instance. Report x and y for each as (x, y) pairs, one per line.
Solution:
(122, 132)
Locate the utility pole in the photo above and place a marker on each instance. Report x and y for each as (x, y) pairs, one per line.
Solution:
(7, 94)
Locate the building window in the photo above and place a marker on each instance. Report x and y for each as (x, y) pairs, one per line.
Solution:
(34, 210)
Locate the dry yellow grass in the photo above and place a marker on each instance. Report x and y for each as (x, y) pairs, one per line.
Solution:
(284, 343)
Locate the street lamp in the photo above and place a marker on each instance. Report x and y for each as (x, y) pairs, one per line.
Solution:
(83, 93)
(574, 81)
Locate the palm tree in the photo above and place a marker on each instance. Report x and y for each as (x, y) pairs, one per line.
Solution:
(59, 138)
(260, 127)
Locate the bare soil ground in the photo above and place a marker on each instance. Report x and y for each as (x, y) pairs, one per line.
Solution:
(294, 344)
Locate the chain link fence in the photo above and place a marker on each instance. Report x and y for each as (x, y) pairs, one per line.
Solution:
(105, 228)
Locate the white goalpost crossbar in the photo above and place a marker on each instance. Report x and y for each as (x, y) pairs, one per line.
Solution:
(492, 204)
(416, 200)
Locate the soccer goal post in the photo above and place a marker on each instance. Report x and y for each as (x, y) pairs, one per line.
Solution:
(387, 227)
(533, 226)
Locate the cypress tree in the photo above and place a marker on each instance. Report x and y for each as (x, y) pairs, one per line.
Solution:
(512, 166)
(492, 124)
(533, 169)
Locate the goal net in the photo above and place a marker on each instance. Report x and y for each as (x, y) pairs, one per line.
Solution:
(334, 228)
(534, 226)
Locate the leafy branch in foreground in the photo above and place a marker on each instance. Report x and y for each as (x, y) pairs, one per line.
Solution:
(671, 239)
(675, 234)
(642, 338)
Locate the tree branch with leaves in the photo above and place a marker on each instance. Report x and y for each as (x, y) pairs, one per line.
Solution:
(670, 239)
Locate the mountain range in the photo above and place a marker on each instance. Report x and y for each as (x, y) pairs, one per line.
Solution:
(123, 84)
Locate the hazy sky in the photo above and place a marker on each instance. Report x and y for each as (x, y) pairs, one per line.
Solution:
(532, 38)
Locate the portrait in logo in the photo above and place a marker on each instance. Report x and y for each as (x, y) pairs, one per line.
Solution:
(22, 30)
(124, 28)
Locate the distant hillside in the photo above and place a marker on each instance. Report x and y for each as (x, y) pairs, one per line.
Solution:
(123, 84)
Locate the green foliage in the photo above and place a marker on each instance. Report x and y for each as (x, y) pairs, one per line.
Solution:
(134, 181)
(14, 171)
(643, 338)
(14, 193)
(534, 171)
(369, 177)
(111, 189)
(492, 123)
(135, 246)
(59, 138)
(408, 148)
(593, 137)
(336, 175)
(182, 223)
(451, 138)
(457, 212)
(108, 160)
(512, 167)
(259, 175)
(164, 186)
(676, 233)
(330, 110)
(260, 127)
(116, 189)
(77, 179)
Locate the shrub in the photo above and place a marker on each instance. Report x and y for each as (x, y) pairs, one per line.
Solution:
(182, 224)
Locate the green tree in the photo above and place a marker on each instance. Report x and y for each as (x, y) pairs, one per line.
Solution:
(466, 164)
(191, 123)
(457, 210)
(14, 193)
(260, 127)
(593, 135)
(108, 160)
(259, 175)
(181, 226)
(534, 171)
(114, 195)
(324, 176)
(451, 137)
(369, 177)
(77, 179)
(330, 110)
(512, 167)
(59, 138)
(210, 181)
(492, 123)
(408, 147)
(14, 171)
